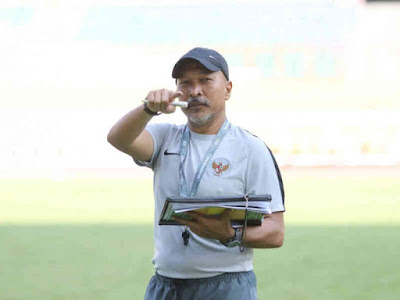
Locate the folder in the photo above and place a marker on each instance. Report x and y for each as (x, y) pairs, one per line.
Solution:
(255, 207)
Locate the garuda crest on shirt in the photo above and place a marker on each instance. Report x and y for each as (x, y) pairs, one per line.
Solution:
(220, 166)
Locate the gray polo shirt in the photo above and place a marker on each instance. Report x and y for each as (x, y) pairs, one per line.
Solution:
(241, 165)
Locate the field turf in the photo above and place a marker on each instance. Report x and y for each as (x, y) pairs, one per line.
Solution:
(92, 239)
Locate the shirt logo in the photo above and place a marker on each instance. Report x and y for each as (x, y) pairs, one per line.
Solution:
(170, 153)
(220, 166)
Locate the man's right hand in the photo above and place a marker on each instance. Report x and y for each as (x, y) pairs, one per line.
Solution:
(160, 100)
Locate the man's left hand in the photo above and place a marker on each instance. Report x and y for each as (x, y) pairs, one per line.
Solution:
(211, 227)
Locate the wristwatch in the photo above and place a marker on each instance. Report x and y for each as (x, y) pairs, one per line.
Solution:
(235, 240)
(149, 112)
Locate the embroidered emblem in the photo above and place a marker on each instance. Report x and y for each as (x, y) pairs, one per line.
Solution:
(220, 166)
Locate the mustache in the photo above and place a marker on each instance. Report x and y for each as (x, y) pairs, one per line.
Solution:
(198, 100)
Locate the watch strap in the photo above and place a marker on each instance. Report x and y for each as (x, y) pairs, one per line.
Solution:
(149, 112)
(235, 240)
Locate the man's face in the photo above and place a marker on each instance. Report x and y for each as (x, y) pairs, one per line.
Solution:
(205, 92)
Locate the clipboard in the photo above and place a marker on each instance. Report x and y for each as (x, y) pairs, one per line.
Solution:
(257, 207)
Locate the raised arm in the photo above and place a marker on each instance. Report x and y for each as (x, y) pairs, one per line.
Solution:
(129, 135)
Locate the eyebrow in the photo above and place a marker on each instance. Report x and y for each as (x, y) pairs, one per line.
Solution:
(203, 72)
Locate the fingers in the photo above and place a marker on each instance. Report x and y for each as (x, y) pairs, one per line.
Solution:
(227, 213)
(206, 226)
(194, 218)
(186, 222)
(175, 95)
(193, 224)
(159, 100)
(194, 215)
(156, 99)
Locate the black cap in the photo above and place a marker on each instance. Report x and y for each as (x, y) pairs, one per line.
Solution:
(209, 58)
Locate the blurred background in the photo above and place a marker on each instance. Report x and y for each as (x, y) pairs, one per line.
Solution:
(317, 80)
(314, 79)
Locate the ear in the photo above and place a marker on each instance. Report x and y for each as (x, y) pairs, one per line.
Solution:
(228, 90)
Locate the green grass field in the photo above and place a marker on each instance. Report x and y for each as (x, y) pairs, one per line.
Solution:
(92, 239)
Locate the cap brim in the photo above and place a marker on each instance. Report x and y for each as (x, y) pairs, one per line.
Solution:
(204, 62)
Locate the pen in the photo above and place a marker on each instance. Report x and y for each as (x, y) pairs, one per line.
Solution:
(175, 103)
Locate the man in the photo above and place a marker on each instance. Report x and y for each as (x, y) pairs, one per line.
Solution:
(206, 157)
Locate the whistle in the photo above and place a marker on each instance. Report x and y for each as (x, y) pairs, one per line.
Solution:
(175, 103)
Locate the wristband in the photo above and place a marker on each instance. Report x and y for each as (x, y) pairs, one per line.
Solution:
(149, 112)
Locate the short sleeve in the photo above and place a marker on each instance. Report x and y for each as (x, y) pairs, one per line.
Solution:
(263, 175)
(159, 133)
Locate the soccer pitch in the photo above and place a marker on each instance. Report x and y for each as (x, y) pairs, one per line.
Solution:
(92, 239)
